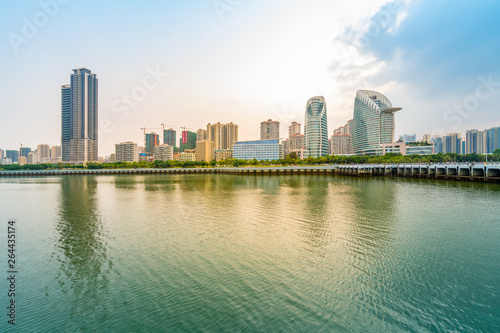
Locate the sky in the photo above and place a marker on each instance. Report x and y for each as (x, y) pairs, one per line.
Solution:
(189, 63)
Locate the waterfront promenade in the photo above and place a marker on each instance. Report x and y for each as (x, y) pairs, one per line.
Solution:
(463, 172)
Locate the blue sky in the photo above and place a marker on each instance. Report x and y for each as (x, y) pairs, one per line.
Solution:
(247, 61)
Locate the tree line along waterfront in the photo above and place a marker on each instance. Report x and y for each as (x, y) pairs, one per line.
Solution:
(290, 159)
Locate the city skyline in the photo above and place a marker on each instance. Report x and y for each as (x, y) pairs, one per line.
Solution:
(232, 71)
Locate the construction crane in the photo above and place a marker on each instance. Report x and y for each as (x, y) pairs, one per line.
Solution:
(163, 125)
(185, 128)
(146, 128)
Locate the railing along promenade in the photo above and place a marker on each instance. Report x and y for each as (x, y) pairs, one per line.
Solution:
(454, 171)
(460, 171)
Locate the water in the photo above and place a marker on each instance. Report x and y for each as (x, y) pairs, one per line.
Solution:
(223, 253)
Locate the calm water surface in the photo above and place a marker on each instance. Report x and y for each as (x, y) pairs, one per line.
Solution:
(222, 253)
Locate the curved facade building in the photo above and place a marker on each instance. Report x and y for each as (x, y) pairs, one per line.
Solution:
(316, 128)
(373, 122)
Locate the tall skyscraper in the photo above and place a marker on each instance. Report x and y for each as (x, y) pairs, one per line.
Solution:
(12, 154)
(437, 141)
(169, 137)
(222, 135)
(24, 151)
(2, 153)
(452, 143)
(56, 153)
(79, 117)
(373, 122)
(187, 140)
(293, 129)
(492, 139)
(201, 135)
(269, 130)
(151, 141)
(482, 142)
(44, 151)
(316, 128)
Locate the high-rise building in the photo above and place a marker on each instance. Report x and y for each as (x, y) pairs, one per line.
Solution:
(437, 141)
(66, 122)
(205, 150)
(475, 141)
(33, 157)
(164, 152)
(348, 128)
(341, 140)
(269, 130)
(373, 121)
(293, 129)
(79, 117)
(340, 144)
(316, 128)
(187, 140)
(126, 151)
(169, 137)
(426, 138)
(151, 141)
(452, 143)
(201, 135)
(2, 152)
(44, 151)
(492, 139)
(12, 154)
(24, 151)
(222, 135)
(56, 153)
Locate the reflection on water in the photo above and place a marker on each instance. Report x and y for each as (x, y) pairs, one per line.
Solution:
(81, 252)
(307, 253)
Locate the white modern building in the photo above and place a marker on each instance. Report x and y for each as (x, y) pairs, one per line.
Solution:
(258, 149)
(373, 122)
(316, 128)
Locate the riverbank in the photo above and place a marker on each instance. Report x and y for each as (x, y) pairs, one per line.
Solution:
(459, 172)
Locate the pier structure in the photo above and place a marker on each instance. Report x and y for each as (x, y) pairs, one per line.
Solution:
(462, 172)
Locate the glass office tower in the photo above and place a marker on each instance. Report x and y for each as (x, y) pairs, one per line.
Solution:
(373, 122)
(316, 128)
(79, 117)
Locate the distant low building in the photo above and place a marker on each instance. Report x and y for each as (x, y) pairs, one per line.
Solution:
(22, 160)
(258, 149)
(187, 156)
(404, 149)
(164, 153)
(127, 151)
(223, 154)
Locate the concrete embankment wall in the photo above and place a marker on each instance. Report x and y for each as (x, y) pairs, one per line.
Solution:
(462, 172)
